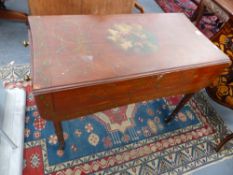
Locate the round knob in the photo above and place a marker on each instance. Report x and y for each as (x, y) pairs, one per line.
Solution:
(26, 43)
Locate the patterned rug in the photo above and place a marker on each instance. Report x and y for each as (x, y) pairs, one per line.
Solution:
(127, 140)
(208, 24)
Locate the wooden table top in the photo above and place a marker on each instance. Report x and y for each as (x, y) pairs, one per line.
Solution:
(227, 5)
(85, 50)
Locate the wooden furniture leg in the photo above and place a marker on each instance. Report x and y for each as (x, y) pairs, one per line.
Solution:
(2, 5)
(223, 142)
(12, 15)
(59, 133)
(198, 13)
(139, 7)
(183, 101)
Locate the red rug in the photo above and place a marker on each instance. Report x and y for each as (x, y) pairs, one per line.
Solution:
(208, 24)
(129, 140)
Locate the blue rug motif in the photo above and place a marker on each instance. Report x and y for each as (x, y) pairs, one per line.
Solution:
(130, 140)
(109, 129)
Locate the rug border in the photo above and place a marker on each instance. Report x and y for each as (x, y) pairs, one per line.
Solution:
(221, 156)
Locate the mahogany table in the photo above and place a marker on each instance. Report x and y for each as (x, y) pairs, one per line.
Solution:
(85, 64)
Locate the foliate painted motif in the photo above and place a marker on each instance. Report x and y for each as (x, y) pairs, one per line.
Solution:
(132, 37)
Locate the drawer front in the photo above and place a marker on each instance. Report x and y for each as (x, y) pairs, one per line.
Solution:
(69, 104)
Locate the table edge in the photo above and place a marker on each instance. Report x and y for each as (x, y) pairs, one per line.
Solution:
(53, 89)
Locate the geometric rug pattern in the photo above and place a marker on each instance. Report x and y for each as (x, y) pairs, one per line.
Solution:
(132, 139)
(128, 140)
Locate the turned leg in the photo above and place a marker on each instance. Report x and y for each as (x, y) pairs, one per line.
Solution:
(13, 15)
(183, 101)
(59, 133)
(2, 5)
(224, 141)
(198, 13)
(139, 7)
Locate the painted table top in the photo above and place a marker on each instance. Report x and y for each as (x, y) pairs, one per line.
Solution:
(75, 51)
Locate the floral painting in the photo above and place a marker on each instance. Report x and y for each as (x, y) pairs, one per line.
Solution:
(132, 37)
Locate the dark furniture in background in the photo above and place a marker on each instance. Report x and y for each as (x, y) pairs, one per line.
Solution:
(221, 89)
(69, 7)
(223, 9)
(10, 14)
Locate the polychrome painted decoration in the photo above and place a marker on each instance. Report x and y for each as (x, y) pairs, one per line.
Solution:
(132, 37)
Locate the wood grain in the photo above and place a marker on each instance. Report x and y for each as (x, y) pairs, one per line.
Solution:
(81, 71)
(68, 53)
(65, 7)
(73, 103)
(13, 15)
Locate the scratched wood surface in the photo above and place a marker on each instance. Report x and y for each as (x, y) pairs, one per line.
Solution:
(125, 59)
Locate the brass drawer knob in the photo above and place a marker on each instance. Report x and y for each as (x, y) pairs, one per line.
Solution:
(26, 43)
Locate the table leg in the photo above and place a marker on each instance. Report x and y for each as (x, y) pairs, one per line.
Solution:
(2, 5)
(10, 14)
(183, 101)
(13, 15)
(59, 133)
(139, 7)
(224, 141)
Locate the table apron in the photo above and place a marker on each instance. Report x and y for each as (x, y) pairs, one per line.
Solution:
(73, 103)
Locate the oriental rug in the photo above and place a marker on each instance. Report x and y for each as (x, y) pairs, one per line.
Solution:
(209, 25)
(131, 139)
